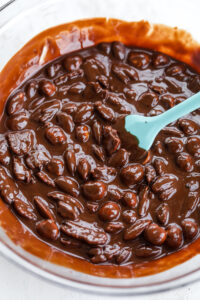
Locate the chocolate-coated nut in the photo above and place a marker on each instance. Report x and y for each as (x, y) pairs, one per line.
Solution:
(105, 112)
(24, 209)
(150, 174)
(193, 145)
(162, 213)
(129, 216)
(47, 88)
(65, 121)
(114, 227)
(18, 121)
(124, 73)
(70, 159)
(68, 210)
(109, 211)
(21, 142)
(148, 100)
(184, 161)
(46, 111)
(139, 60)
(4, 152)
(69, 108)
(106, 174)
(174, 236)
(156, 111)
(43, 207)
(61, 197)
(38, 157)
(56, 166)
(172, 86)
(95, 190)
(118, 50)
(68, 185)
(9, 190)
(144, 202)
(130, 199)
(175, 70)
(157, 89)
(114, 194)
(123, 256)
(160, 166)
(16, 102)
(97, 132)
(111, 140)
(155, 234)
(167, 101)
(82, 133)
(98, 152)
(119, 158)
(31, 89)
(84, 168)
(194, 83)
(173, 131)
(158, 147)
(93, 68)
(20, 171)
(92, 206)
(146, 251)
(104, 47)
(136, 229)
(160, 60)
(174, 145)
(85, 231)
(132, 174)
(189, 127)
(118, 103)
(53, 69)
(55, 135)
(190, 228)
(72, 63)
(84, 113)
(44, 177)
(165, 186)
(48, 229)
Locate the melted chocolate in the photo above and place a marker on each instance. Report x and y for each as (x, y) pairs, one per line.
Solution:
(77, 179)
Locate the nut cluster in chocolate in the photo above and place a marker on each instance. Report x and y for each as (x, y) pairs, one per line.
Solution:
(71, 173)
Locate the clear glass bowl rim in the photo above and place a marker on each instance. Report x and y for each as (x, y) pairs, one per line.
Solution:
(8, 250)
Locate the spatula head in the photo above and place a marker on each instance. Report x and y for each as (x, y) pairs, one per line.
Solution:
(144, 129)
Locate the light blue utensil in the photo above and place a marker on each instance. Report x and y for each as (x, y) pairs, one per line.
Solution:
(145, 129)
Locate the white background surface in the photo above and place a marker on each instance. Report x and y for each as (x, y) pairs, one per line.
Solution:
(15, 283)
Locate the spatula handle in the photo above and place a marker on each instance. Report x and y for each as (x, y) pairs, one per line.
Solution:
(180, 110)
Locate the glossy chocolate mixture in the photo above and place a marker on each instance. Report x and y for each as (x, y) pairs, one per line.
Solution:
(77, 179)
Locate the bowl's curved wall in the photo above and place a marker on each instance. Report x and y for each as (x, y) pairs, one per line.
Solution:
(46, 46)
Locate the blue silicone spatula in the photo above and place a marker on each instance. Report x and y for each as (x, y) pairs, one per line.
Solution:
(145, 129)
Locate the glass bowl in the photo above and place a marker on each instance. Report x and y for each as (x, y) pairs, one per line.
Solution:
(20, 21)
